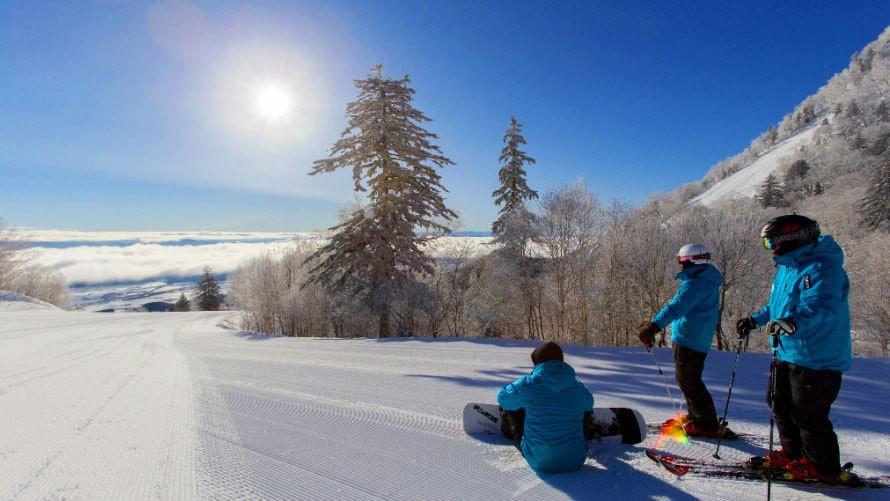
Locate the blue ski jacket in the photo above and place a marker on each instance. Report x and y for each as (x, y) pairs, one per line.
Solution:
(812, 289)
(693, 311)
(554, 402)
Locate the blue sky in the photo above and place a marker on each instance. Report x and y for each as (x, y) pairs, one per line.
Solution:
(129, 115)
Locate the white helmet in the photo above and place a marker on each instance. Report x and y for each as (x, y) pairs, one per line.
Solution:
(694, 254)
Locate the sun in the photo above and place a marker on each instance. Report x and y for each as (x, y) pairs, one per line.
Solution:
(272, 102)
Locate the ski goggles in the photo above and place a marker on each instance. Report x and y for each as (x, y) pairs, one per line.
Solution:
(805, 233)
(693, 259)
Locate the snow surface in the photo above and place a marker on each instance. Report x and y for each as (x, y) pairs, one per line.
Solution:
(178, 405)
(746, 182)
(11, 301)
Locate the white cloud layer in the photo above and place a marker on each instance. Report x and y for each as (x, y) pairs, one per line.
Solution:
(126, 257)
(140, 256)
(138, 262)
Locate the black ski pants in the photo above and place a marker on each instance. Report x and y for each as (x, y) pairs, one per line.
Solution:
(802, 402)
(513, 424)
(689, 365)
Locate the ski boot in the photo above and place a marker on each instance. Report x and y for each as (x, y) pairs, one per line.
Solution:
(778, 459)
(804, 470)
(692, 429)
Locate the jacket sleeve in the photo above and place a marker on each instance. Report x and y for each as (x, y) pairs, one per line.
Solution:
(586, 398)
(512, 396)
(687, 296)
(762, 316)
(819, 295)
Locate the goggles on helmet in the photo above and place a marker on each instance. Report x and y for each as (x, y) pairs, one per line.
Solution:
(694, 259)
(768, 243)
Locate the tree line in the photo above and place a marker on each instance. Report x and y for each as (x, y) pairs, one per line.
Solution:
(561, 265)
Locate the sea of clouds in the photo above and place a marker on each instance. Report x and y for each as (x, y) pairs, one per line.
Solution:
(99, 258)
(128, 257)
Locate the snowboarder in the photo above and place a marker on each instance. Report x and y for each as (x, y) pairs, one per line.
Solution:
(544, 413)
(692, 314)
(809, 313)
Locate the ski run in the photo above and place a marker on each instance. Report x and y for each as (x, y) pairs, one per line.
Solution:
(186, 406)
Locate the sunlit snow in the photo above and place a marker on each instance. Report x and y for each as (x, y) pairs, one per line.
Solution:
(184, 405)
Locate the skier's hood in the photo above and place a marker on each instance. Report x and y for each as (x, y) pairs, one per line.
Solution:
(705, 272)
(826, 250)
(555, 375)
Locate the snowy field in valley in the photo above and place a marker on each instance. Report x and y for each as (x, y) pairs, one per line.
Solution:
(182, 406)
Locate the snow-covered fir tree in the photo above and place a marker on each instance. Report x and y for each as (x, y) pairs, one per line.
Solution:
(208, 292)
(875, 207)
(514, 190)
(378, 250)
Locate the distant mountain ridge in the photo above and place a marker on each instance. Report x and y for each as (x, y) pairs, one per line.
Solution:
(839, 130)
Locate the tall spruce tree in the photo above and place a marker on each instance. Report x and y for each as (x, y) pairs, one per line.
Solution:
(208, 292)
(378, 250)
(514, 190)
(770, 193)
(516, 226)
(875, 207)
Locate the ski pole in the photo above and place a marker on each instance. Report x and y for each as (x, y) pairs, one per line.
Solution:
(735, 366)
(772, 413)
(664, 380)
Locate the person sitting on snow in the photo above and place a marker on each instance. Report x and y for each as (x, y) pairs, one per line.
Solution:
(544, 413)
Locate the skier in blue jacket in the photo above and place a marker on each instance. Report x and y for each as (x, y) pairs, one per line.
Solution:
(808, 314)
(692, 314)
(544, 413)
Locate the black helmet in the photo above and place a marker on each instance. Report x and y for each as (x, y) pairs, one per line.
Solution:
(786, 233)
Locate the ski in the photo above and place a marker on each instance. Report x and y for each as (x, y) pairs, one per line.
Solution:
(674, 459)
(681, 466)
(658, 428)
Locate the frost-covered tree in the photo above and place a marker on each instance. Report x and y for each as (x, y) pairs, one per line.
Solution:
(377, 250)
(516, 228)
(770, 193)
(11, 261)
(572, 226)
(514, 191)
(208, 292)
(875, 207)
(19, 273)
(882, 112)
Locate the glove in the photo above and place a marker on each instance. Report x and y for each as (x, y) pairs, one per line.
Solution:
(781, 327)
(744, 326)
(647, 331)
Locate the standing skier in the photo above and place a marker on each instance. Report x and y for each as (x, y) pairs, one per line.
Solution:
(809, 314)
(692, 314)
(544, 413)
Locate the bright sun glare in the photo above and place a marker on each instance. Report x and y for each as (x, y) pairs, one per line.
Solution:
(273, 102)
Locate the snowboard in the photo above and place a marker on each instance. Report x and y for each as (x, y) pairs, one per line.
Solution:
(610, 424)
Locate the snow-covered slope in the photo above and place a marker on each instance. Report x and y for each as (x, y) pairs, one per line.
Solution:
(10, 301)
(746, 182)
(175, 406)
